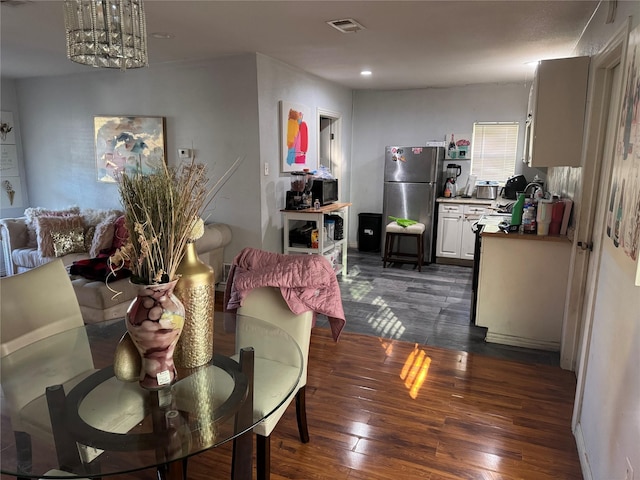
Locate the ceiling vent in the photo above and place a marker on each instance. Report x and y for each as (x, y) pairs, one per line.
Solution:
(346, 25)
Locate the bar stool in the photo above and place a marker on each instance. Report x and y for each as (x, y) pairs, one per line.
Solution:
(394, 231)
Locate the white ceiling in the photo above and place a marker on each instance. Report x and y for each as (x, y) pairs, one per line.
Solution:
(407, 44)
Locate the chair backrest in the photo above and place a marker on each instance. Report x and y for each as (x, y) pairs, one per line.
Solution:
(36, 304)
(266, 303)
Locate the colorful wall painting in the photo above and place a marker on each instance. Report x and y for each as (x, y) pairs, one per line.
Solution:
(295, 137)
(135, 145)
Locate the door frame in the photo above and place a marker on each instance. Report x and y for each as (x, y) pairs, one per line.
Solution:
(575, 321)
(336, 143)
(597, 173)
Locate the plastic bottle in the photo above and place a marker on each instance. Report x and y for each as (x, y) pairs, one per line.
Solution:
(529, 217)
(516, 212)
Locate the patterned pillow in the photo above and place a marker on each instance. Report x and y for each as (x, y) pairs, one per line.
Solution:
(34, 212)
(67, 241)
(89, 233)
(46, 225)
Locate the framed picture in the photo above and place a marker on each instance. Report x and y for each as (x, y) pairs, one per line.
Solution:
(294, 131)
(7, 129)
(128, 144)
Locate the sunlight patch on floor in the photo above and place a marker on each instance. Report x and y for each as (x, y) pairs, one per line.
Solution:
(384, 321)
(415, 371)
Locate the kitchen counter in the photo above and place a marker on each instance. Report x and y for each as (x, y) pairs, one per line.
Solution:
(465, 201)
(489, 224)
(521, 288)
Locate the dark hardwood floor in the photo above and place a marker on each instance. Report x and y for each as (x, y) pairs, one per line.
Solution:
(381, 409)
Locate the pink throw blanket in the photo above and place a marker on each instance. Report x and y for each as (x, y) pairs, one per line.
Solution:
(307, 282)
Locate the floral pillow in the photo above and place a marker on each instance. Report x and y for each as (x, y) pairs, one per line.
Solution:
(47, 225)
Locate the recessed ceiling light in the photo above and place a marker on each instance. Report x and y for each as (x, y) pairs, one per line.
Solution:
(366, 73)
(162, 35)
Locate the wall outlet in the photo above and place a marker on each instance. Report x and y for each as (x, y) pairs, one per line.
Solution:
(266, 169)
(629, 473)
(184, 153)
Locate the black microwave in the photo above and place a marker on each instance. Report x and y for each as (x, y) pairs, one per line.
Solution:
(324, 190)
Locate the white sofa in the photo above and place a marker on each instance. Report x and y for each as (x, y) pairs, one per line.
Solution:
(97, 302)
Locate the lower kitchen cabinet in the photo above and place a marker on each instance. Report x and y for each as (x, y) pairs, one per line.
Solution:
(456, 237)
(521, 289)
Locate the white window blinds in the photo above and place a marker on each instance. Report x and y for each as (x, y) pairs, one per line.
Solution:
(493, 150)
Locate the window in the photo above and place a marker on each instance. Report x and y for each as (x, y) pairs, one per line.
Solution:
(493, 150)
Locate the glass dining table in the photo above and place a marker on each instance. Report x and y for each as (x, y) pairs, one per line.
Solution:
(94, 425)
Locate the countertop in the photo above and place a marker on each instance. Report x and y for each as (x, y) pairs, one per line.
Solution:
(466, 201)
(489, 224)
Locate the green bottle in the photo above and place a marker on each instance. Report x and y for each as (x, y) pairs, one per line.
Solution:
(516, 211)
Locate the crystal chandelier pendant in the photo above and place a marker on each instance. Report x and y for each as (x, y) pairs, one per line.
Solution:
(106, 33)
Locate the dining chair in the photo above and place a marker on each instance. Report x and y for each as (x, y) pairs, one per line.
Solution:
(36, 305)
(267, 303)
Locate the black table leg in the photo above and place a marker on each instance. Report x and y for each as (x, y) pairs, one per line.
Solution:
(242, 467)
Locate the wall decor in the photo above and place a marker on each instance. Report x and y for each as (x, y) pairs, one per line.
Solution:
(11, 192)
(623, 212)
(294, 131)
(7, 129)
(128, 144)
(9, 161)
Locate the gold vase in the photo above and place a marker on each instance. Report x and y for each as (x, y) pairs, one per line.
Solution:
(196, 291)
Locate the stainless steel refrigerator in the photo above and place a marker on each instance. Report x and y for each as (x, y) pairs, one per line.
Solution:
(412, 177)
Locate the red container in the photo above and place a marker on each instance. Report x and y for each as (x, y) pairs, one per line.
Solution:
(557, 213)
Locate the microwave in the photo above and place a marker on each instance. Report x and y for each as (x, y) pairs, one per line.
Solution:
(324, 190)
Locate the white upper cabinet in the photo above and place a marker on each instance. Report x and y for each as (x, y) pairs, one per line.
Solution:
(555, 122)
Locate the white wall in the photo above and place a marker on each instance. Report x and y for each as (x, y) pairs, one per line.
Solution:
(278, 81)
(413, 117)
(609, 421)
(221, 108)
(209, 106)
(9, 103)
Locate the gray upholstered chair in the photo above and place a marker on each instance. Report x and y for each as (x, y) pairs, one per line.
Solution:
(36, 305)
(266, 303)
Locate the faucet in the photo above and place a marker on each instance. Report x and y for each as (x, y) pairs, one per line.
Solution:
(536, 187)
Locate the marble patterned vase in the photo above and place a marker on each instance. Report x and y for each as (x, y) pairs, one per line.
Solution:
(154, 321)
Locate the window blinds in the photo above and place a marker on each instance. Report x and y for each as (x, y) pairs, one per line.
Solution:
(494, 149)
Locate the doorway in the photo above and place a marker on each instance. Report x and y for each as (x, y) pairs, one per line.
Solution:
(329, 152)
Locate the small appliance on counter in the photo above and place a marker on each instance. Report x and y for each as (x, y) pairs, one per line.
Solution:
(299, 197)
(487, 190)
(453, 172)
(324, 190)
(513, 185)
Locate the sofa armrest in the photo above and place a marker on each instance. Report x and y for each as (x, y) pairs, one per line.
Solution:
(13, 233)
(210, 247)
(216, 235)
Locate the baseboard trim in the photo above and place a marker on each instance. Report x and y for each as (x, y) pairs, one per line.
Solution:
(504, 339)
(582, 453)
(454, 261)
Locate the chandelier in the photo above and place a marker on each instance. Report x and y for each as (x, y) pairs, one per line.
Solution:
(106, 33)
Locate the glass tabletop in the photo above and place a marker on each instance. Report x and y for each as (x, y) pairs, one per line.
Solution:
(97, 425)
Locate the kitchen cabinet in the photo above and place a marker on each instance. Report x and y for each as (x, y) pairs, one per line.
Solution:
(521, 289)
(555, 120)
(456, 237)
(333, 250)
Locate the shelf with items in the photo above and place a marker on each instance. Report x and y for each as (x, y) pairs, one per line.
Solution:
(310, 223)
